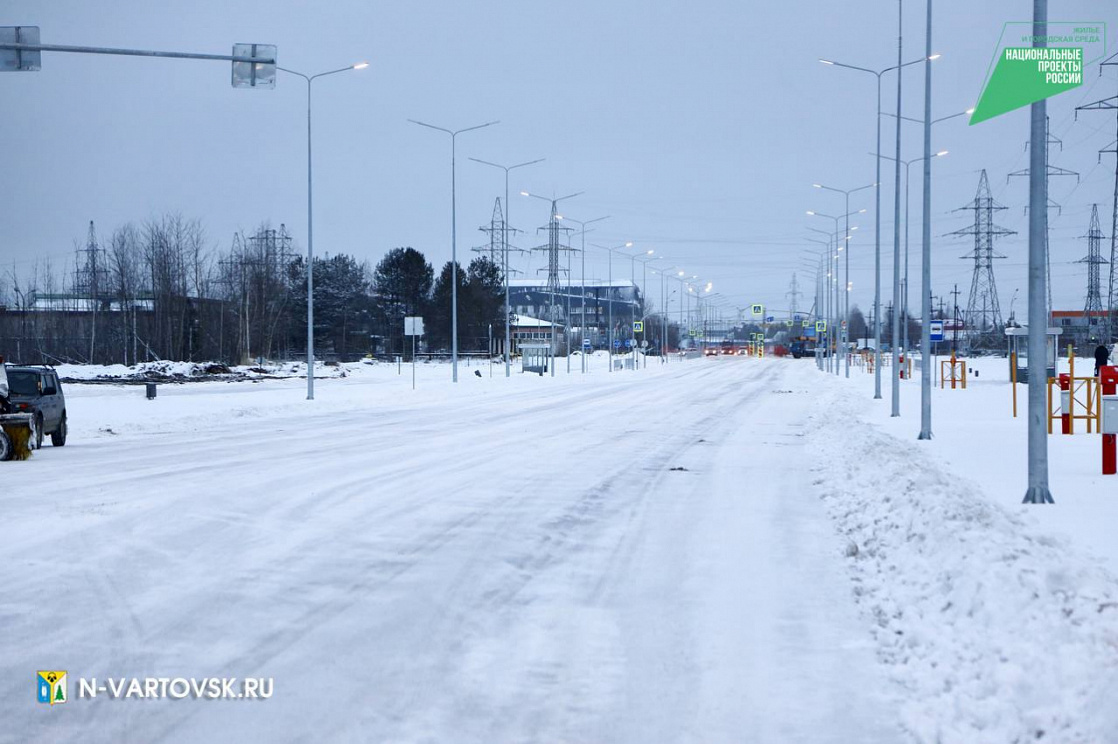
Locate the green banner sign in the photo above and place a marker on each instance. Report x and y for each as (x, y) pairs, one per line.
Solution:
(1026, 75)
(1028, 68)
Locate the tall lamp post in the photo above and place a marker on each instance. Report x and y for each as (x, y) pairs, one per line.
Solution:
(904, 281)
(609, 298)
(926, 239)
(846, 283)
(310, 219)
(877, 215)
(840, 246)
(453, 236)
(823, 305)
(508, 208)
(1038, 491)
(582, 232)
(647, 256)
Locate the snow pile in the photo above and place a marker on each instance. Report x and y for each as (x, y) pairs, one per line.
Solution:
(166, 371)
(998, 632)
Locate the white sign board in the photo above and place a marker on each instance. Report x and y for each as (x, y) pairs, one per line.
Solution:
(413, 326)
(935, 330)
(254, 74)
(1109, 423)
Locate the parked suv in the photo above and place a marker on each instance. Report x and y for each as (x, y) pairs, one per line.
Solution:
(37, 390)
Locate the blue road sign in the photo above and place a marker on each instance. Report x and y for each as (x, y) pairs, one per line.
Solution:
(586, 343)
(617, 343)
(630, 343)
(935, 330)
(769, 319)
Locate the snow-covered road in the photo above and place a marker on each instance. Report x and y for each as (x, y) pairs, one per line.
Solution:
(615, 558)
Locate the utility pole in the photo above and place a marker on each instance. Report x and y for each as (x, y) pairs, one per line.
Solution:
(955, 319)
(1038, 491)
(896, 372)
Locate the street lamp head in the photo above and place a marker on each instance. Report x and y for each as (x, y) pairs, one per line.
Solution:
(969, 111)
(826, 61)
(817, 185)
(361, 65)
(940, 154)
(649, 252)
(811, 213)
(629, 244)
(861, 211)
(524, 193)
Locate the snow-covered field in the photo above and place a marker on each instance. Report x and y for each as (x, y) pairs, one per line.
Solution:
(712, 550)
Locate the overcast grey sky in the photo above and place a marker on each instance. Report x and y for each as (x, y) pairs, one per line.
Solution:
(699, 127)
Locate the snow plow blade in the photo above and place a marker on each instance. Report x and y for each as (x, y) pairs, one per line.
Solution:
(15, 436)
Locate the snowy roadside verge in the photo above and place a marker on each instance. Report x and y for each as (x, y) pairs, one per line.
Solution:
(194, 371)
(997, 632)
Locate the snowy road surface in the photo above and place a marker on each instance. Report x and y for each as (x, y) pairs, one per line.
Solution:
(620, 558)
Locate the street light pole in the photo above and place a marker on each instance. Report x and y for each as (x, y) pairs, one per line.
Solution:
(846, 294)
(310, 219)
(896, 372)
(609, 297)
(877, 216)
(836, 334)
(1038, 491)
(823, 293)
(453, 235)
(904, 282)
(508, 209)
(582, 232)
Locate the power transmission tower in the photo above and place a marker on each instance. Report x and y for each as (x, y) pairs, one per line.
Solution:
(1049, 171)
(495, 230)
(1109, 104)
(496, 246)
(1093, 306)
(983, 313)
(793, 293)
(555, 232)
(90, 282)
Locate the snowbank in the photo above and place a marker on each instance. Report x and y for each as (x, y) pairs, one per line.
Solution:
(192, 371)
(999, 632)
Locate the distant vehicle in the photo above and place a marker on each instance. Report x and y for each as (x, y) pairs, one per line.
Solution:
(36, 390)
(710, 351)
(729, 348)
(800, 349)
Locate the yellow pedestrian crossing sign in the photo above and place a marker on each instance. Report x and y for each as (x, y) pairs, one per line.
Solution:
(638, 326)
(758, 310)
(821, 326)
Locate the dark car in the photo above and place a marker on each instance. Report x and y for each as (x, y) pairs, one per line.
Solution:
(37, 390)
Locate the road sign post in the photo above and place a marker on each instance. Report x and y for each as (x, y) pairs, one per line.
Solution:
(413, 326)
